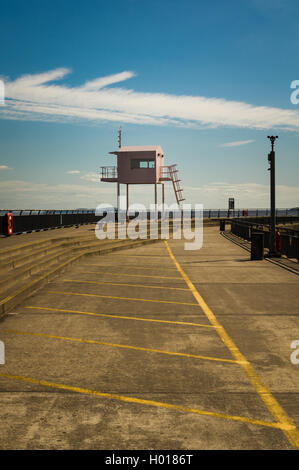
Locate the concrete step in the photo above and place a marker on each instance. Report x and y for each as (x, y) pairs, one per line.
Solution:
(7, 280)
(17, 292)
(9, 254)
(37, 252)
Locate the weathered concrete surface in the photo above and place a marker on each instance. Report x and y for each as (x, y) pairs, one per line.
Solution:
(256, 302)
(15, 240)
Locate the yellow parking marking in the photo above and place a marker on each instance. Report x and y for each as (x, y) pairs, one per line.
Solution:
(133, 275)
(129, 266)
(285, 422)
(121, 298)
(125, 346)
(141, 401)
(139, 256)
(79, 312)
(122, 284)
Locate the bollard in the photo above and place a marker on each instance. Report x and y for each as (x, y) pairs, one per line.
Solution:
(222, 225)
(296, 243)
(8, 227)
(278, 242)
(257, 245)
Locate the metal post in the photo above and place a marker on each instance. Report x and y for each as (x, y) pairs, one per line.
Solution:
(119, 138)
(118, 195)
(156, 212)
(272, 237)
(127, 200)
(163, 198)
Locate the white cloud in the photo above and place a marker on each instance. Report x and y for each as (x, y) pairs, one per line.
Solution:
(247, 195)
(104, 81)
(31, 97)
(94, 177)
(5, 167)
(17, 194)
(73, 172)
(237, 143)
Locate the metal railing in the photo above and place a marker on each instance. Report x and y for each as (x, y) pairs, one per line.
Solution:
(25, 220)
(35, 220)
(207, 213)
(217, 213)
(108, 172)
(289, 237)
(46, 211)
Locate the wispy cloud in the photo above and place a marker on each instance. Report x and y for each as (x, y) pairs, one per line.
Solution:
(216, 194)
(39, 97)
(93, 177)
(73, 172)
(18, 194)
(5, 167)
(237, 143)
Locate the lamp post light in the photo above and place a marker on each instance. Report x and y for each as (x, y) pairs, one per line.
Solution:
(272, 239)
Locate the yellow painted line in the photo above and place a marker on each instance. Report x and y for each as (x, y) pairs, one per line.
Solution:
(79, 312)
(140, 256)
(122, 284)
(125, 346)
(133, 275)
(128, 266)
(141, 401)
(44, 276)
(121, 298)
(285, 422)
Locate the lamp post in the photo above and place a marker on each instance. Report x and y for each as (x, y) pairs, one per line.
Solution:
(271, 159)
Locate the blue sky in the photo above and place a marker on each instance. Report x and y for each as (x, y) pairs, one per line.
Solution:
(208, 81)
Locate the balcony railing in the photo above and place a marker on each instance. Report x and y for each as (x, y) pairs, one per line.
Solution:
(165, 173)
(108, 172)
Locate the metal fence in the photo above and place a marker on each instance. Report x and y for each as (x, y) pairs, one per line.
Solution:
(289, 237)
(207, 213)
(30, 221)
(219, 213)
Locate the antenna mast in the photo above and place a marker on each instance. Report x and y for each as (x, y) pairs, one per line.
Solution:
(119, 138)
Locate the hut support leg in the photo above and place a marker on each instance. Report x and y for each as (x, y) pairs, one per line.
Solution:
(127, 200)
(118, 195)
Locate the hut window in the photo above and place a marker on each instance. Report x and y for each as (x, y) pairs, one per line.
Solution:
(136, 163)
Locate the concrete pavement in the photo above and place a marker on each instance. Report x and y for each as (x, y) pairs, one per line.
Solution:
(155, 348)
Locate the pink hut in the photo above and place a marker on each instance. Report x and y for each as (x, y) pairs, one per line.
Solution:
(142, 165)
